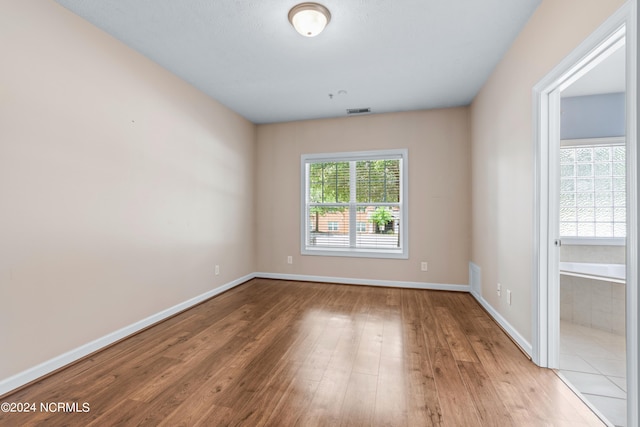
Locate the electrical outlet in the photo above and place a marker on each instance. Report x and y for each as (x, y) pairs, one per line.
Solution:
(289, 259)
(508, 296)
(424, 266)
(499, 289)
(217, 270)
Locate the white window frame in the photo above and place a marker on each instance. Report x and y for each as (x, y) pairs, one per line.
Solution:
(594, 241)
(398, 253)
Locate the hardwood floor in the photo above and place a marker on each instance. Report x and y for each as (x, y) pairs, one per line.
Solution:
(290, 353)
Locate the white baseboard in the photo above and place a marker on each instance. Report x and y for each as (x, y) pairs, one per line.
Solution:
(366, 282)
(31, 374)
(51, 365)
(513, 333)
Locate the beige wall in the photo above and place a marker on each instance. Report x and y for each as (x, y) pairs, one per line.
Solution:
(439, 202)
(121, 186)
(502, 150)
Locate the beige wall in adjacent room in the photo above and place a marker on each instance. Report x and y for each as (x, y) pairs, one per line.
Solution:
(503, 148)
(121, 186)
(439, 185)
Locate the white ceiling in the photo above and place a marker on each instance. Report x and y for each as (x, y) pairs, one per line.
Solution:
(606, 77)
(389, 55)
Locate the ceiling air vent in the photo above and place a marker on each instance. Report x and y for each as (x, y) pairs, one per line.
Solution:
(358, 111)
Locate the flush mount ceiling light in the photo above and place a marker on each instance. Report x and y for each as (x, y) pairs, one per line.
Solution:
(309, 19)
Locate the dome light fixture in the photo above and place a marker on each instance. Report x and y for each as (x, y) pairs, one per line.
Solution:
(309, 19)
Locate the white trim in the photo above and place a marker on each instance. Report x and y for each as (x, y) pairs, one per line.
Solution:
(353, 211)
(9, 384)
(401, 154)
(539, 293)
(355, 253)
(592, 277)
(365, 282)
(633, 189)
(357, 155)
(568, 70)
(475, 279)
(508, 328)
(51, 365)
(20, 379)
(614, 140)
(574, 65)
(553, 231)
(594, 241)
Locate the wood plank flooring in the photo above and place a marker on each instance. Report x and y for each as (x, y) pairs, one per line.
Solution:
(281, 353)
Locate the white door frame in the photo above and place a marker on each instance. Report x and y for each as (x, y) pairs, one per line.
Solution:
(545, 289)
(549, 270)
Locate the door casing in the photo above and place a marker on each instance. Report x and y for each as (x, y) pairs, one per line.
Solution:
(620, 27)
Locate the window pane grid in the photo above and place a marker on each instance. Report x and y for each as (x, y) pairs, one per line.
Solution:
(378, 180)
(354, 204)
(329, 227)
(593, 191)
(381, 227)
(329, 182)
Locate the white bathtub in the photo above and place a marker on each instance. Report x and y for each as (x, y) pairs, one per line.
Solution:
(609, 272)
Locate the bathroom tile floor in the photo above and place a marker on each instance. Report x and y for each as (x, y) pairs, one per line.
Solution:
(594, 362)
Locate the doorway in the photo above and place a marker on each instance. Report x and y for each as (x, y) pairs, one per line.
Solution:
(590, 198)
(616, 35)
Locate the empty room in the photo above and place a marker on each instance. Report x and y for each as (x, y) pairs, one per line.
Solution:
(337, 213)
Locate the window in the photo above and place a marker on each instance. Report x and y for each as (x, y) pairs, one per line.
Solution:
(354, 204)
(593, 191)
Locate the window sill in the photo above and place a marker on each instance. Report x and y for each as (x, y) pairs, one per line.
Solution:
(355, 253)
(593, 241)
